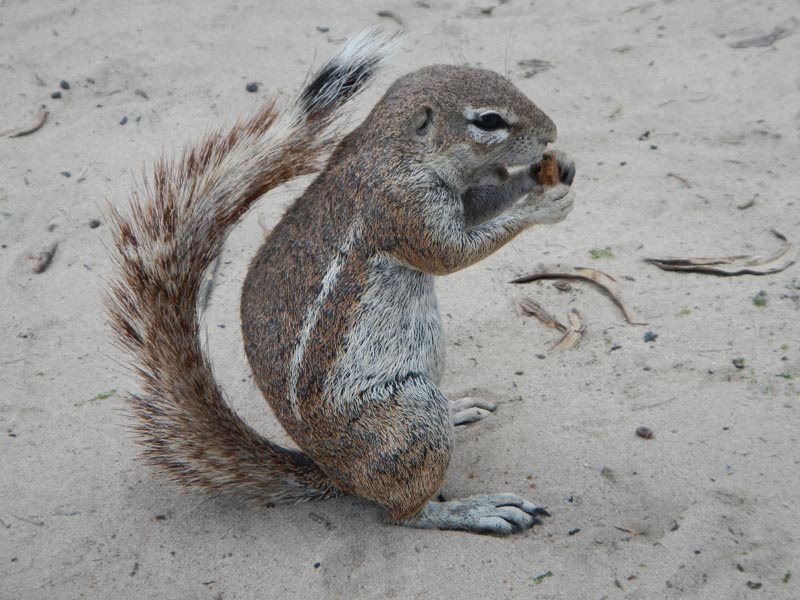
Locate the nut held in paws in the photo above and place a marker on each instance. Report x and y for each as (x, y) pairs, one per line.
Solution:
(546, 172)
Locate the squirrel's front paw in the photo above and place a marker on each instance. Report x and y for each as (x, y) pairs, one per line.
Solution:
(551, 205)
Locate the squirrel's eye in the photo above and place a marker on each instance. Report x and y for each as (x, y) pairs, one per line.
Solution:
(490, 121)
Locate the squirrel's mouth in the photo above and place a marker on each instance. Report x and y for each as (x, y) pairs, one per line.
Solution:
(507, 171)
(516, 165)
(503, 170)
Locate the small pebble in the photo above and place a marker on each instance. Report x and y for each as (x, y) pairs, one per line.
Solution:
(644, 136)
(562, 286)
(323, 29)
(645, 432)
(574, 531)
(738, 363)
(649, 336)
(66, 173)
(45, 258)
(317, 565)
(123, 120)
(94, 223)
(251, 87)
(754, 585)
(653, 147)
(55, 95)
(64, 84)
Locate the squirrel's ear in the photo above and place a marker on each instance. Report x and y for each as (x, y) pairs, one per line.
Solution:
(422, 119)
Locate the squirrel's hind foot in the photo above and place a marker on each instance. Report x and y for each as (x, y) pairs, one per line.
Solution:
(469, 410)
(498, 514)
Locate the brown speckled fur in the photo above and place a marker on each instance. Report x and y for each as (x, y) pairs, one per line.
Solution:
(390, 449)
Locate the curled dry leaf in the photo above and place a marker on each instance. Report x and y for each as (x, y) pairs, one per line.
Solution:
(41, 117)
(573, 334)
(628, 530)
(532, 308)
(603, 280)
(782, 30)
(733, 265)
(390, 15)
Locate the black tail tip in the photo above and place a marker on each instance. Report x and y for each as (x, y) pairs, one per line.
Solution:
(348, 72)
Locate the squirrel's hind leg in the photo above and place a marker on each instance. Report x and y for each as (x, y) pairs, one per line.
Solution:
(394, 445)
(498, 514)
(397, 452)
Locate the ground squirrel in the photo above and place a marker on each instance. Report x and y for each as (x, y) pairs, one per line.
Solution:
(339, 315)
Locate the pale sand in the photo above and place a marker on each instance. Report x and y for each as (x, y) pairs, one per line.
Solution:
(714, 494)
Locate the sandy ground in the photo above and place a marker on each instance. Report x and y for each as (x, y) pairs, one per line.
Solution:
(708, 508)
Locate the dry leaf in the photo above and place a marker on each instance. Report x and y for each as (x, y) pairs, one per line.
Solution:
(626, 530)
(604, 280)
(573, 334)
(41, 117)
(532, 308)
(733, 265)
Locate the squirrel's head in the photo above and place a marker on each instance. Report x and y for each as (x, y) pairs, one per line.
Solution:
(463, 121)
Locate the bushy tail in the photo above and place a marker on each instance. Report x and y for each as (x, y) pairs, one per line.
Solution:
(176, 227)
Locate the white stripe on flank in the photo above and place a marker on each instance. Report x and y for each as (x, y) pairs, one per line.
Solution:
(328, 281)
